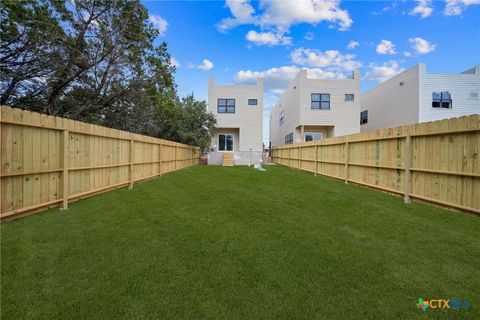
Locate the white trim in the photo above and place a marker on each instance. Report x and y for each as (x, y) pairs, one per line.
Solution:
(233, 141)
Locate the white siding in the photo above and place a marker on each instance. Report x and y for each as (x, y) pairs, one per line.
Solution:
(296, 103)
(248, 119)
(343, 115)
(288, 103)
(390, 104)
(460, 86)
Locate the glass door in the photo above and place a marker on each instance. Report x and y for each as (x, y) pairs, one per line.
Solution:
(225, 142)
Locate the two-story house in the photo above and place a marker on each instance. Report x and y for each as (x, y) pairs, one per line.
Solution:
(238, 110)
(315, 109)
(415, 96)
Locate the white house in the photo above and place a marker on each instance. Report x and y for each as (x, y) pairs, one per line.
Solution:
(314, 109)
(238, 110)
(415, 96)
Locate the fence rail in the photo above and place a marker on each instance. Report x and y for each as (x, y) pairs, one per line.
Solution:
(435, 161)
(50, 161)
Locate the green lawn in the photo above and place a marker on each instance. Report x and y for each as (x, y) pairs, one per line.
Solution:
(235, 243)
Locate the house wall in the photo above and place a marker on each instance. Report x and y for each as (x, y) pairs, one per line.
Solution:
(342, 118)
(390, 104)
(460, 86)
(288, 103)
(343, 115)
(248, 119)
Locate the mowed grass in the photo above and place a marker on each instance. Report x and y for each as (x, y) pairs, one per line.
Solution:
(236, 243)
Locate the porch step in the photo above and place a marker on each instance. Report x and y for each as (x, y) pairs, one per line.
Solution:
(228, 159)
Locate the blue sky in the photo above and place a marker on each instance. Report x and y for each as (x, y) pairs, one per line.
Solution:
(237, 40)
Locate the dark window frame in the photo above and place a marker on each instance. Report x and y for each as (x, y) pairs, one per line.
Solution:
(225, 108)
(349, 94)
(225, 142)
(289, 138)
(442, 101)
(252, 104)
(364, 117)
(317, 104)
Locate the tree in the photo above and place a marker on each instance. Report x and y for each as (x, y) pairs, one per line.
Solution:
(95, 61)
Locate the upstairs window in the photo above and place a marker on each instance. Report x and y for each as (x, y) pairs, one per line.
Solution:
(282, 116)
(349, 97)
(441, 100)
(289, 138)
(252, 102)
(226, 106)
(364, 117)
(321, 101)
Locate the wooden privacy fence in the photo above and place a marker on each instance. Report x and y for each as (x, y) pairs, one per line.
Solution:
(434, 161)
(48, 161)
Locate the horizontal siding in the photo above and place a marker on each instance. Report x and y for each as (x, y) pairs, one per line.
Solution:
(460, 87)
(296, 103)
(390, 104)
(343, 115)
(248, 119)
(288, 103)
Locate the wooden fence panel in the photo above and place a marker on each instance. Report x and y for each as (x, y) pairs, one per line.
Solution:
(48, 161)
(434, 161)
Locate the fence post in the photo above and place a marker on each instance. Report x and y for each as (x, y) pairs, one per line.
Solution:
(65, 177)
(130, 185)
(316, 159)
(289, 157)
(160, 158)
(175, 161)
(300, 157)
(407, 183)
(346, 151)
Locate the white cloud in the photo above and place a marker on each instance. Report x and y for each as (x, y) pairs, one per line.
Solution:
(382, 72)
(332, 60)
(309, 36)
(206, 65)
(268, 38)
(282, 14)
(386, 47)
(277, 79)
(242, 13)
(407, 54)
(353, 45)
(421, 46)
(159, 23)
(456, 7)
(386, 9)
(424, 8)
(174, 62)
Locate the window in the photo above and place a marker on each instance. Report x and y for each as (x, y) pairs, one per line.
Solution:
(225, 142)
(320, 101)
(289, 138)
(226, 106)
(349, 97)
(252, 102)
(282, 116)
(441, 100)
(312, 136)
(364, 117)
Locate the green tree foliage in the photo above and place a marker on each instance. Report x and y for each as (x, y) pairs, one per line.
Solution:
(95, 61)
